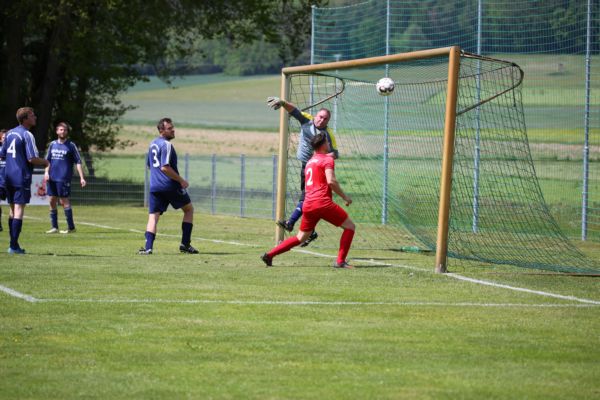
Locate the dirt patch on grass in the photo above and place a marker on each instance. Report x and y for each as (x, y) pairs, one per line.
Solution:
(203, 141)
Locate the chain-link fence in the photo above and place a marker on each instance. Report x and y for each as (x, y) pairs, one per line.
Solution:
(557, 43)
(233, 185)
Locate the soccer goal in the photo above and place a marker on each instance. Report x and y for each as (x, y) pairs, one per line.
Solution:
(443, 162)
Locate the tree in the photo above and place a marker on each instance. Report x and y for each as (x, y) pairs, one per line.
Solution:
(70, 59)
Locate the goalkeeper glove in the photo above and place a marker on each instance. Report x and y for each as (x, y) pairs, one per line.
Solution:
(275, 102)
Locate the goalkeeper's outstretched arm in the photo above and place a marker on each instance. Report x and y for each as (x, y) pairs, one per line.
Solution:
(275, 103)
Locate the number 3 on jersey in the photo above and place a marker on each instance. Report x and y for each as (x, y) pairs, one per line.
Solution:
(309, 176)
(155, 162)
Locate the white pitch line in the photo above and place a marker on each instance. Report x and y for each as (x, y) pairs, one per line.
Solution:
(18, 295)
(520, 289)
(449, 275)
(472, 280)
(316, 303)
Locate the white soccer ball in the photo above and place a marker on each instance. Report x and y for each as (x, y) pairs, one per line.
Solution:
(385, 86)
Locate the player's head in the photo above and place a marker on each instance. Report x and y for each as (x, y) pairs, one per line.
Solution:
(322, 118)
(26, 117)
(319, 143)
(165, 128)
(2, 135)
(62, 130)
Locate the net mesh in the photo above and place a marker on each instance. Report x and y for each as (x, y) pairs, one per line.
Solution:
(546, 38)
(390, 162)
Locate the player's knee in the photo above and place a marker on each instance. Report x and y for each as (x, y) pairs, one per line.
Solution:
(349, 224)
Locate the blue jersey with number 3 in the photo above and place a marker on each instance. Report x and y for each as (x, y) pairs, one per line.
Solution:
(18, 148)
(161, 153)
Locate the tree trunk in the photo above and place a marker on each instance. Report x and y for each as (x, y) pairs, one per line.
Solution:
(56, 57)
(77, 123)
(12, 96)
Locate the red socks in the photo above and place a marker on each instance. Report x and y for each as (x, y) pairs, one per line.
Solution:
(345, 243)
(284, 246)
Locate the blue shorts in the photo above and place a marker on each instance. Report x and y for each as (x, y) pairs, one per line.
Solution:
(2, 193)
(159, 201)
(18, 194)
(58, 188)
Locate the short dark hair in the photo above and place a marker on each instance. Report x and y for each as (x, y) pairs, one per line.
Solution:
(65, 125)
(161, 124)
(318, 140)
(325, 109)
(23, 113)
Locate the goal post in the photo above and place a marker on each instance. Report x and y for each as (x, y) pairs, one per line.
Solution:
(442, 163)
(441, 254)
(453, 54)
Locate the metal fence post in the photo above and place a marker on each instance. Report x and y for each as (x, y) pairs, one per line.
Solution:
(586, 125)
(274, 189)
(146, 182)
(186, 170)
(213, 185)
(386, 119)
(477, 155)
(242, 184)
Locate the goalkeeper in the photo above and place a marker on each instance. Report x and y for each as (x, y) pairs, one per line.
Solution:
(310, 126)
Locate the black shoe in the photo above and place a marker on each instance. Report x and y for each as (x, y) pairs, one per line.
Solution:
(343, 265)
(144, 252)
(188, 249)
(286, 225)
(313, 236)
(267, 260)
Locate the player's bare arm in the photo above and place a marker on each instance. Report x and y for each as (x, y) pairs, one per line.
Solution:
(82, 181)
(170, 172)
(335, 186)
(42, 162)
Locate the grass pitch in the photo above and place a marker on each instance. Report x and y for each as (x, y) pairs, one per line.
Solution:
(110, 324)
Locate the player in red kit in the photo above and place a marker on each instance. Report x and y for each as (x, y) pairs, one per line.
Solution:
(318, 204)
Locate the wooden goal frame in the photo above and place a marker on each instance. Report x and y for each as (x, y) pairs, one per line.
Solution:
(453, 54)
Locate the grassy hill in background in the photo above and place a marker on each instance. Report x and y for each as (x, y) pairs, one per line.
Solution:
(216, 101)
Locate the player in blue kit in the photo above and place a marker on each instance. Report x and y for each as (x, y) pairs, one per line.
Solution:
(167, 187)
(21, 154)
(2, 164)
(62, 154)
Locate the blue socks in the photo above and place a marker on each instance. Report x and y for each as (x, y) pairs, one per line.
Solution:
(54, 218)
(15, 232)
(186, 233)
(150, 240)
(296, 214)
(69, 217)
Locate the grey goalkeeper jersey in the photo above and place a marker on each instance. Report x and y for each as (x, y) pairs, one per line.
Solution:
(307, 131)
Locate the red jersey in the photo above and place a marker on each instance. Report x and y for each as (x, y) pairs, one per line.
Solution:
(318, 192)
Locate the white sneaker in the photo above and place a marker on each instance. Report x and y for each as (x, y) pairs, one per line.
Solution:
(53, 230)
(66, 231)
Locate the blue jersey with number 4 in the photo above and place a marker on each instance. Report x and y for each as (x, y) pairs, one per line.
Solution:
(161, 153)
(18, 148)
(62, 156)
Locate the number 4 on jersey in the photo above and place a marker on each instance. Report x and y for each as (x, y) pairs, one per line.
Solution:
(11, 148)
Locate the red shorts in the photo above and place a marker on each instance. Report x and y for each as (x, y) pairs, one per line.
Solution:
(330, 212)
